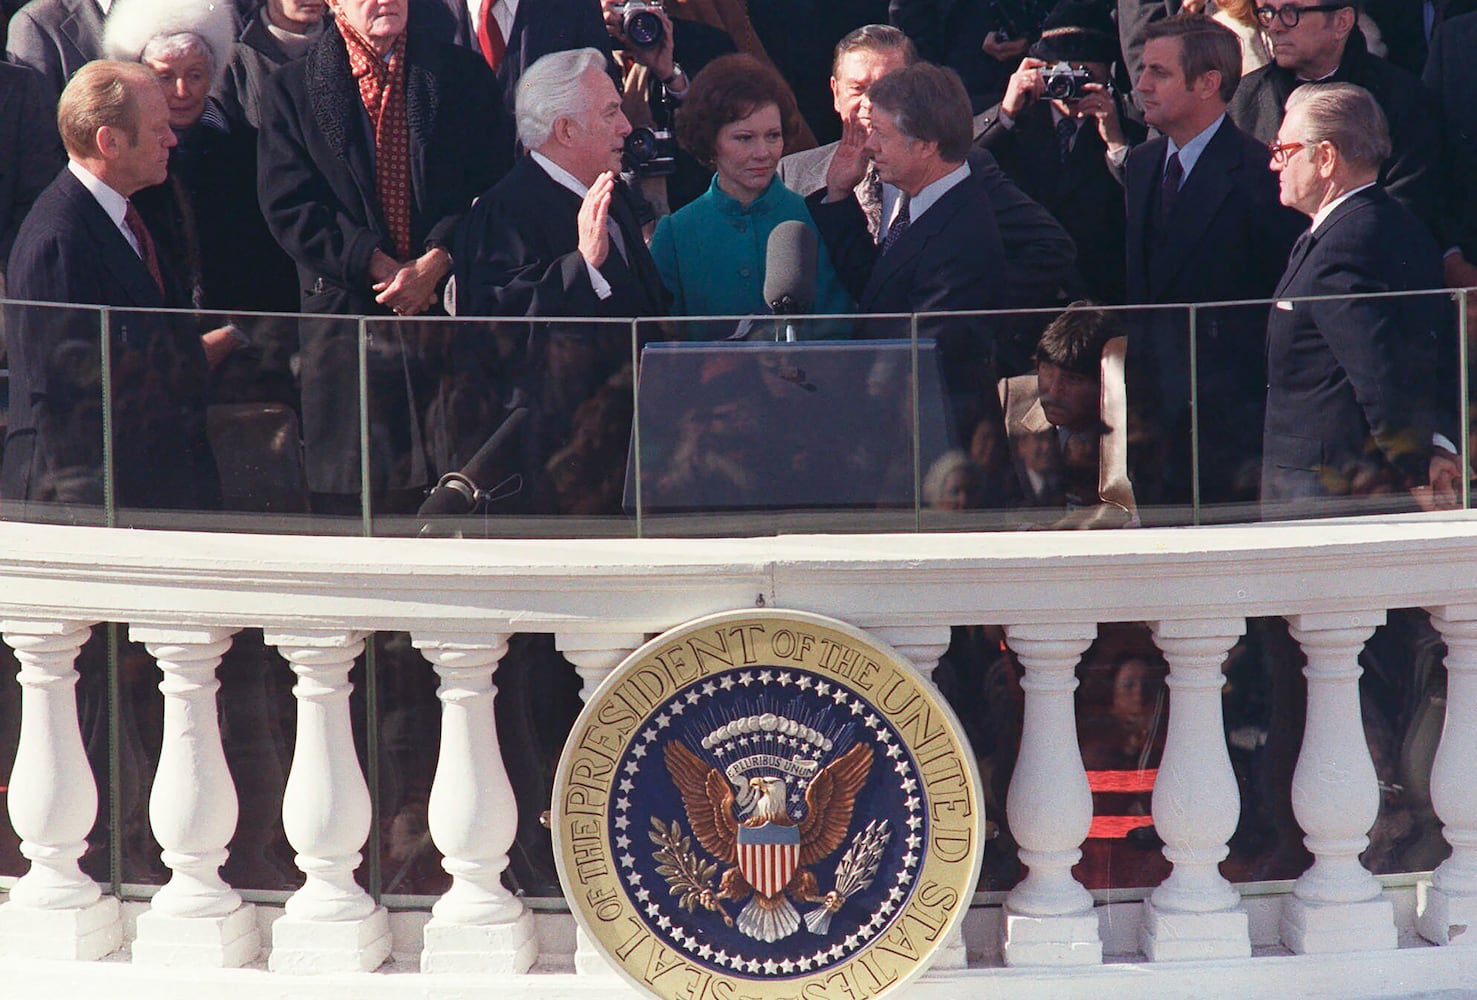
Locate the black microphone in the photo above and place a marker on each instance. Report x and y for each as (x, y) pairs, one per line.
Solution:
(789, 269)
(458, 492)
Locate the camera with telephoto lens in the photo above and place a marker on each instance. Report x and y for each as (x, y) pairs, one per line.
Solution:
(640, 23)
(1065, 82)
(651, 152)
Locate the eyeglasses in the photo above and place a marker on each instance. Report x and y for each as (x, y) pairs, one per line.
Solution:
(1281, 152)
(1291, 14)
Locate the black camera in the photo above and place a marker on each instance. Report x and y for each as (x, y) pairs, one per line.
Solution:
(651, 152)
(1065, 82)
(640, 23)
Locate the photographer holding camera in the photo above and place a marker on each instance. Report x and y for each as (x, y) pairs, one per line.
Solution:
(1058, 131)
(648, 42)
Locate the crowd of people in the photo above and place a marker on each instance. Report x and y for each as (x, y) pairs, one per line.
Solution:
(582, 165)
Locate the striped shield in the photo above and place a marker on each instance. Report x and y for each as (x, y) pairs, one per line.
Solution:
(768, 855)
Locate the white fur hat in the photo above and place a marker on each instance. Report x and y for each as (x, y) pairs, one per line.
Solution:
(132, 24)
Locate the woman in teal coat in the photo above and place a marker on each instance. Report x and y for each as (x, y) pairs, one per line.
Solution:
(736, 116)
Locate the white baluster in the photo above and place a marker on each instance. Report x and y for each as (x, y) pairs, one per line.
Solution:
(594, 656)
(54, 911)
(477, 926)
(923, 645)
(1446, 905)
(195, 919)
(1336, 904)
(1196, 913)
(331, 924)
(1049, 919)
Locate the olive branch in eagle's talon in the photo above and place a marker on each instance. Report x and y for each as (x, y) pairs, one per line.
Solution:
(688, 878)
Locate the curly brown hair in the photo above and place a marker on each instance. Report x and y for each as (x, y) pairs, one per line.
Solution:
(728, 89)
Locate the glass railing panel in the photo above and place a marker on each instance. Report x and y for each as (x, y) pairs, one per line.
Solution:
(1058, 419)
(531, 420)
(1363, 410)
(234, 422)
(761, 425)
(54, 455)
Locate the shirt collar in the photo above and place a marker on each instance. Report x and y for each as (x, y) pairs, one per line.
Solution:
(924, 200)
(111, 201)
(560, 176)
(1190, 151)
(1320, 216)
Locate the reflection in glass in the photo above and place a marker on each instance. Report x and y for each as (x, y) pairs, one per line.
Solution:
(525, 429)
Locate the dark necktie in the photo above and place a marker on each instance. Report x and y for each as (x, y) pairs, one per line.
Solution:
(900, 223)
(1169, 188)
(1066, 131)
(869, 196)
(1300, 246)
(146, 250)
(490, 36)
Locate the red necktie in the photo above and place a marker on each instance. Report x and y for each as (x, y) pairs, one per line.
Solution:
(490, 36)
(135, 224)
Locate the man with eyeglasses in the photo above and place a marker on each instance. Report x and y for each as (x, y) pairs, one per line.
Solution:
(1317, 41)
(1355, 384)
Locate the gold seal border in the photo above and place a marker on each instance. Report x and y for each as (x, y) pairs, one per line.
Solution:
(644, 681)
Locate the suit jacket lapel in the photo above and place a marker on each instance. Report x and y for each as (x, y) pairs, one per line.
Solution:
(113, 250)
(84, 29)
(1140, 194)
(1200, 199)
(920, 231)
(1304, 247)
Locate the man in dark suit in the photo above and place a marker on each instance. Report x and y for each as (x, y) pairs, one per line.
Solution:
(558, 236)
(82, 243)
(1056, 148)
(512, 35)
(56, 38)
(1350, 404)
(1452, 74)
(1204, 225)
(1040, 256)
(940, 251)
(368, 235)
(1409, 27)
(30, 150)
(1327, 45)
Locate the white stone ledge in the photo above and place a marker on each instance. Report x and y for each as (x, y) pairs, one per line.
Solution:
(644, 585)
(1405, 973)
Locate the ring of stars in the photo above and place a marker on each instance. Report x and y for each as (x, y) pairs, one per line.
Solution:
(679, 927)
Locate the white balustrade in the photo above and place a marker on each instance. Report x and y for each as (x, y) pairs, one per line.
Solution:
(55, 911)
(1195, 912)
(1049, 918)
(477, 925)
(1447, 904)
(331, 924)
(1336, 905)
(923, 645)
(594, 656)
(195, 918)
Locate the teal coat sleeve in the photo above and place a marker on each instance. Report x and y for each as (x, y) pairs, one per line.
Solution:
(664, 251)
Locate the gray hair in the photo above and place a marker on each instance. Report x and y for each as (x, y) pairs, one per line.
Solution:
(549, 90)
(164, 29)
(1345, 116)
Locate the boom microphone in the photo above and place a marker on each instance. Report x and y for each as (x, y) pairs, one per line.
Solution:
(789, 269)
(458, 492)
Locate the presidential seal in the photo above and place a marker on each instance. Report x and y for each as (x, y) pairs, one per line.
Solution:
(767, 805)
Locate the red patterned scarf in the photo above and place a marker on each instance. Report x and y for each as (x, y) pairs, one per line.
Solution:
(382, 89)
